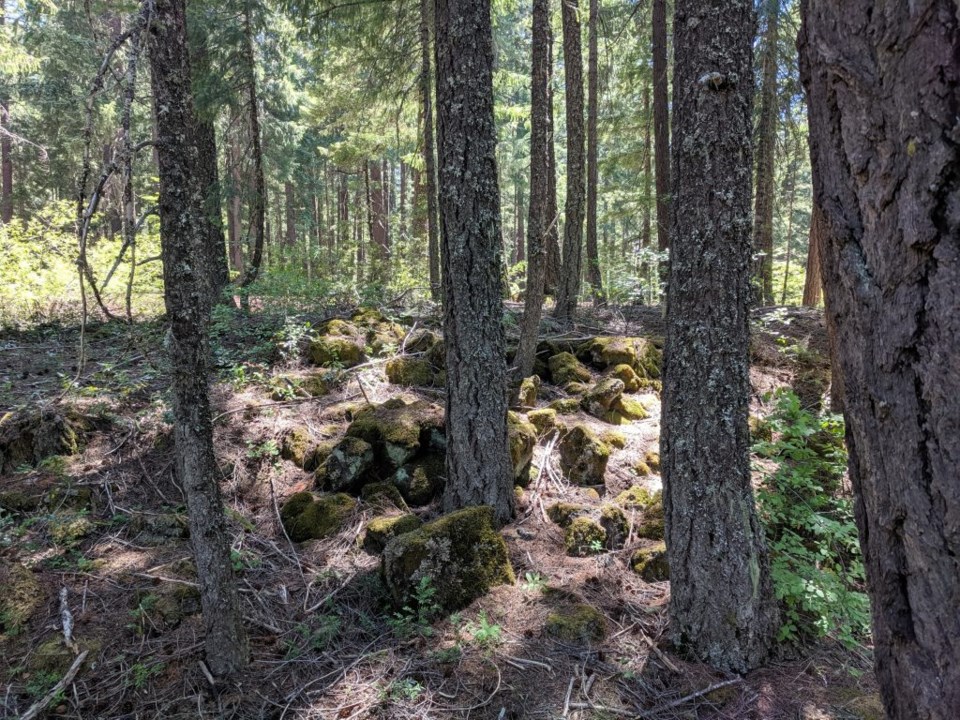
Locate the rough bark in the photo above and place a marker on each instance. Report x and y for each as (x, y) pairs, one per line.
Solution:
(883, 87)
(593, 171)
(766, 147)
(569, 289)
(645, 223)
(722, 606)
(378, 221)
(234, 206)
(429, 160)
(661, 125)
(537, 220)
(478, 464)
(813, 282)
(184, 237)
(6, 146)
(258, 199)
(520, 237)
(290, 214)
(551, 281)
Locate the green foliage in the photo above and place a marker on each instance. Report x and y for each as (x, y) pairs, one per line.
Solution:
(405, 689)
(415, 619)
(266, 450)
(533, 582)
(817, 568)
(484, 633)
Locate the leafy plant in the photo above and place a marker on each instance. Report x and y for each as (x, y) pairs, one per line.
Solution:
(268, 449)
(406, 689)
(415, 619)
(533, 582)
(817, 569)
(485, 633)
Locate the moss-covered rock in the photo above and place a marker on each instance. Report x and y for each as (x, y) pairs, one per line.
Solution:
(410, 371)
(307, 516)
(385, 337)
(652, 459)
(584, 536)
(614, 438)
(317, 454)
(68, 528)
(640, 354)
(651, 563)
(614, 521)
(335, 351)
(53, 658)
(27, 437)
(461, 553)
(600, 400)
(384, 527)
(543, 420)
(565, 368)
(316, 384)
(383, 495)
(421, 340)
(651, 526)
(636, 497)
(398, 431)
(563, 513)
(18, 501)
(641, 468)
(340, 327)
(22, 596)
(422, 479)
(583, 456)
(576, 388)
(565, 406)
(156, 530)
(580, 624)
(628, 409)
(628, 376)
(522, 436)
(346, 466)
(368, 316)
(295, 445)
(164, 608)
(760, 429)
(529, 390)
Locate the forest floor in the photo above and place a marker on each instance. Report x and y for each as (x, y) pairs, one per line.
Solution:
(96, 541)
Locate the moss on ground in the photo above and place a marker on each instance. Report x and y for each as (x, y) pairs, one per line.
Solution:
(306, 516)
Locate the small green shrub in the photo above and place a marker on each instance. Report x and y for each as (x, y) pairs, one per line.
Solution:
(415, 620)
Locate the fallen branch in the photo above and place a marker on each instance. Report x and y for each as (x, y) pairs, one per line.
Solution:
(41, 704)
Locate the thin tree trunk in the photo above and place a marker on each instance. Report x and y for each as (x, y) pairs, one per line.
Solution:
(521, 236)
(290, 215)
(6, 146)
(569, 289)
(722, 606)
(661, 128)
(813, 282)
(478, 462)
(378, 227)
(645, 228)
(129, 215)
(258, 200)
(429, 161)
(234, 206)
(403, 201)
(766, 147)
(551, 281)
(790, 189)
(593, 157)
(184, 240)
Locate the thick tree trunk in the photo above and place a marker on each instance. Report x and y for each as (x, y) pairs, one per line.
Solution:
(593, 156)
(661, 126)
(185, 237)
(883, 82)
(812, 282)
(766, 147)
(6, 147)
(234, 208)
(478, 463)
(521, 235)
(551, 281)
(258, 199)
(378, 221)
(569, 288)
(429, 159)
(537, 221)
(722, 606)
(645, 225)
(209, 174)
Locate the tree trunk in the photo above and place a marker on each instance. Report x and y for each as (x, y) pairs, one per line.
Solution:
(234, 207)
(185, 237)
(766, 147)
(645, 227)
(402, 207)
(521, 236)
(551, 281)
(378, 221)
(537, 222)
(569, 287)
(790, 190)
(882, 81)
(258, 200)
(478, 462)
(813, 282)
(661, 127)
(593, 156)
(290, 214)
(722, 606)
(429, 161)
(6, 146)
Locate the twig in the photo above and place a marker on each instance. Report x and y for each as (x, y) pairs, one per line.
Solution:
(41, 704)
(566, 702)
(66, 618)
(699, 693)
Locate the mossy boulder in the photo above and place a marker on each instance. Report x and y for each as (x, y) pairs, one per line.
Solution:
(563, 513)
(628, 376)
(295, 445)
(636, 497)
(368, 316)
(614, 521)
(317, 454)
(68, 528)
(335, 351)
(340, 327)
(53, 658)
(626, 410)
(760, 429)
(544, 420)
(421, 340)
(651, 526)
(316, 384)
(522, 437)
(422, 479)
(641, 468)
(384, 527)
(399, 431)
(461, 553)
(565, 406)
(651, 564)
(602, 397)
(529, 390)
(383, 495)
(580, 624)
(22, 596)
(156, 530)
(410, 371)
(614, 438)
(385, 337)
(584, 536)
(652, 459)
(346, 466)
(640, 354)
(583, 456)
(18, 501)
(27, 437)
(565, 368)
(576, 388)
(307, 516)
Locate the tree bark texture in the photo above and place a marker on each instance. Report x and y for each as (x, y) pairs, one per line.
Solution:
(378, 221)
(593, 154)
(429, 158)
(722, 606)
(551, 281)
(478, 464)
(6, 147)
(184, 235)
(258, 200)
(883, 87)
(661, 122)
(813, 281)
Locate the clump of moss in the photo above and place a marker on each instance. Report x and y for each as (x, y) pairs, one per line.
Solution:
(295, 445)
(461, 553)
(28, 437)
(384, 337)
(543, 420)
(565, 406)
(157, 530)
(583, 456)
(576, 388)
(628, 409)
(316, 384)
(68, 528)
(410, 371)
(581, 624)
(22, 596)
(641, 468)
(652, 525)
(614, 521)
(164, 608)
(52, 657)
(306, 516)
(346, 466)
(638, 353)
(626, 374)
(565, 368)
(635, 498)
(384, 527)
(340, 327)
(652, 459)
(421, 340)
(584, 536)
(614, 439)
(422, 479)
(522, 437)
(529, 389)
(317, 454)
(601, 399)
(383, 495)
(760, 429)
(563, 513)
(335, 351)
(651, 563)
(17, 501)
(397, 430)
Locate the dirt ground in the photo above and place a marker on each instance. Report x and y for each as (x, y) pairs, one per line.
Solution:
(103, 544)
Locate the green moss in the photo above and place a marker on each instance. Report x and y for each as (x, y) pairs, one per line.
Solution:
(368, 316)
(578, 625)
(164, 608)
(641, 468)
(317, 454)
(307, 516)
(335, 351)
(522, 437)
(346, 466)
(28, 437)
(652, 525)
(584, 536)
(422, 479)
(639, 354)
(397, 430)
(295, 444)
(576, 388)
(563, 513)
(383, 495)
(635, 498)
(543, 420)
(565, 368)
(614, 439)
(156, 530)
(614, 522)
(421, 340)
(316, 385)
(53, 658)
(626, 375)
(381, 529)
(630, 409)
(565, 406)
(529, 389)
(583, 457)
(602, 397)
(409, 371)
(17, 501)
(22, 596)
(69, 528)
(651, 563)
(461, 553)
(341, 328)
(385, 337)
(652, 458)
